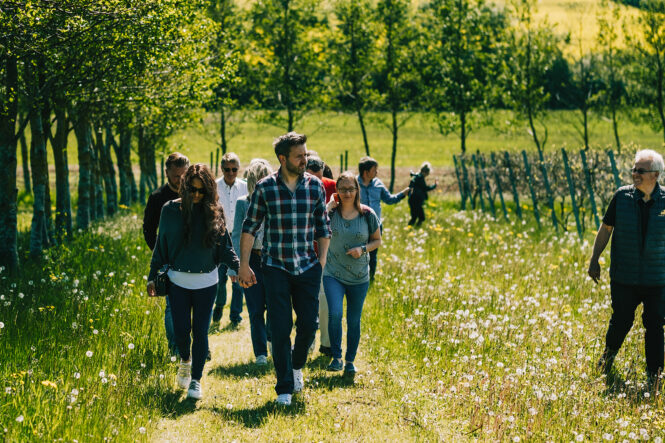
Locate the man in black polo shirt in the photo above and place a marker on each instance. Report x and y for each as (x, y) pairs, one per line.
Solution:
(635, 219)
(176, 165)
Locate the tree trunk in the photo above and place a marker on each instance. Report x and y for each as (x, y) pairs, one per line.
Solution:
(38, 162)
(84, 140)
(660, 74)
(108, 172)
(291, 118)
(585, 122)
(462, 121)
(394, 153)
(63, 199)
(222, 129)
(128, 191)
(361, 120)
(25, 158)
(8, 191)
(146, 163)
(98, 181)
(615, 127)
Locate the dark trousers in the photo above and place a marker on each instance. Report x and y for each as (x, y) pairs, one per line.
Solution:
(236, 295)
(191, 310)
(286, 292)
(372, 260)
(417, 212)
(255, 296)
(625, 299)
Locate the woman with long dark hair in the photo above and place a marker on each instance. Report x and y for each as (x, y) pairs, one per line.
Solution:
(355, 233)
(192, 241)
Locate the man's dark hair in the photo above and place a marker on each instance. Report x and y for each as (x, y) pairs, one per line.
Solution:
(365, 164)
(314, 164)
(177, 160)
(283, 144)
(327, 172)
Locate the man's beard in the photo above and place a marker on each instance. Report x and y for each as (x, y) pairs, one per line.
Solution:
(294, 169)
(173, 185)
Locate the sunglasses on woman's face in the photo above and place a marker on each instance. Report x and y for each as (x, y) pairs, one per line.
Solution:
(195, 190)
(641, 171)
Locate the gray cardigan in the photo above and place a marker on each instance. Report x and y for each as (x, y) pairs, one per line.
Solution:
(193, 257)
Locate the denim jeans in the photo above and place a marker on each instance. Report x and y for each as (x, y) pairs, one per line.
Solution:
(287, 292)
(168, 326)
(625, 299)
(191, 310)
(255, 296)
(355, 298)
(236, 295)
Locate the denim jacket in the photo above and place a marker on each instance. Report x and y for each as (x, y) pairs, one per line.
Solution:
(376, 192)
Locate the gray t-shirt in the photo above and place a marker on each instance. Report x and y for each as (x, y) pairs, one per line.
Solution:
(347, 234)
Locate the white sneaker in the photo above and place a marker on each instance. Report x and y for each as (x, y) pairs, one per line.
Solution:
(194, 390)
(261, 360)
(284, 399)
(297, 380)
(184, 374)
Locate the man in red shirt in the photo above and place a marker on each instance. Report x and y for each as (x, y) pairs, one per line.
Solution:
(315, 167)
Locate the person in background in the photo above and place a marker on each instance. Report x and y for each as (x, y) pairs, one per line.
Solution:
(192, 241)
(355, 232)
(635, 219)
(418, 194)
(175, 167)
(255, 295)
(290, 205)
(315, 166)
(229, 188)
(372, 193)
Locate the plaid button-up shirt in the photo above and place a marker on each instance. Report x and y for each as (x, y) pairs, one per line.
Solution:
(292, 221)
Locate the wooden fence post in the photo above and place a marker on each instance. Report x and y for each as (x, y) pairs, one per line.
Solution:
(479, 181)
(497, 179)
(459, 184)
(527, 170)
(516, 198)
(587, 176)
(615, 171)
(467, 186)
(571, 188)
(341, 163)
(217, 162)
(346, 160)
(548, 189)
(212, 166)
(490, 200)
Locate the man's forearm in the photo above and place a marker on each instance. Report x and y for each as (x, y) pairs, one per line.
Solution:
(323, 242)
(602, 238)
(246, 243)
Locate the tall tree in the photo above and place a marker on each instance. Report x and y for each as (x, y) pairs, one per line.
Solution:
(353, 51)
(465, 40)
(399, 81)
(532, 50)
(286, 42)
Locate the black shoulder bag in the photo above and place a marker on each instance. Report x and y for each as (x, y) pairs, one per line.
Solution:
(162, 282)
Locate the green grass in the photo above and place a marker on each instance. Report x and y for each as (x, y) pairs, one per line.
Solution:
(475, 329)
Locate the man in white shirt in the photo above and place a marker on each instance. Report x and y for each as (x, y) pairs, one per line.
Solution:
(229, 188)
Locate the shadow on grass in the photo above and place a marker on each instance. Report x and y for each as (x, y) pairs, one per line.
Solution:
(330, 382)
(241, 370)
(172, 404)
(320, 362)
(257, 417)
(635, 393)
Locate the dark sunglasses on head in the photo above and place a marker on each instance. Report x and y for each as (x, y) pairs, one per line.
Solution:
(641, 170)
(230, 169)
(195, 190)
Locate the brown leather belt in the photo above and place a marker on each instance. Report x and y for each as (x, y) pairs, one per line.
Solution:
(256, 251)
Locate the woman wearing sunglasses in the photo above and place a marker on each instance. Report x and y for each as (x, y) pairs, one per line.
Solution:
(355, 232)
(192, 241)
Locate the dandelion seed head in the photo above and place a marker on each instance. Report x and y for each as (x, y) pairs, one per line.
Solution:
(88, 354)
(19, 419)
(130, 346)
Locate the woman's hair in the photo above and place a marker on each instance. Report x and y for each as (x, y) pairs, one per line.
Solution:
(257, 169)
(348, 176)
(425, 167)
(213, 212)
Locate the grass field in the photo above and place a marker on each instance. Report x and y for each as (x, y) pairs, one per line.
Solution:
(475, 329)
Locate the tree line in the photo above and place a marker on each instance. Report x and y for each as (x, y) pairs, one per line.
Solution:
(124, 74)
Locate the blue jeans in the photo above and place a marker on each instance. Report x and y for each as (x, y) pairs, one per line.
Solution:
(191, 310)
(236, 295)
(168, 326)
(286, 293)
(255, 296)
(355, 298)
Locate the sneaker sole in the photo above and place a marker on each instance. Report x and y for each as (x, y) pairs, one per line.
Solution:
(194, 396)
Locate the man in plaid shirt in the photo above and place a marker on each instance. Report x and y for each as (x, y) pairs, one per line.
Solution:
(291, 204)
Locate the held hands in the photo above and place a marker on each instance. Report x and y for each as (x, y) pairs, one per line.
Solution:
(355, 252)
(234, 278)
(594, 270)
(246, 276)
(152, 292)
(406, 191)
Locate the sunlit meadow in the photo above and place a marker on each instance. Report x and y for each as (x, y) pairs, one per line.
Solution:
(476, 329)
